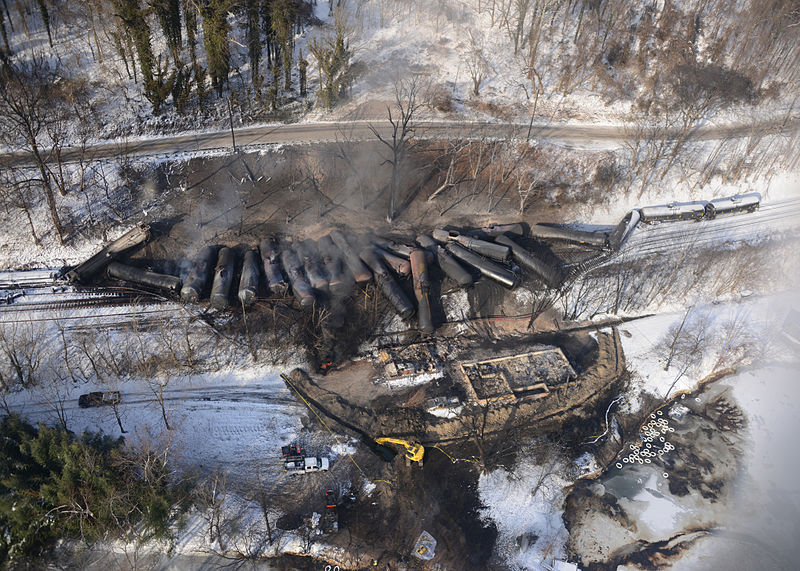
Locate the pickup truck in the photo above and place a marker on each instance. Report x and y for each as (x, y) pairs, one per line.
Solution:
(307, 465)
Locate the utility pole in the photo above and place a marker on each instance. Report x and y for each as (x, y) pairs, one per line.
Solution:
(230, 114)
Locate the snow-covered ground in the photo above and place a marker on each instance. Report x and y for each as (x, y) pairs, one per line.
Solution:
(235, 419)
(760, 531)
(523, 503)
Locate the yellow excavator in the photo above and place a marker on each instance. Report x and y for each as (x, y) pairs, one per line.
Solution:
(414, 450)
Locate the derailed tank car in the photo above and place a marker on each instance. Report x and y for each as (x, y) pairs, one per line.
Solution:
(422, 289)
(248, 283)
(196, 283)
(341, 282)
(486, 267)
(482, 247)
(360, 272)
(527, 260)
(272, 268)
(446, 261)
(390, 288)
(300, 286)
(139, 276)
(223, 278)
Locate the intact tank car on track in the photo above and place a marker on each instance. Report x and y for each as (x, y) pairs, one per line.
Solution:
(139, 276)
(223, 278)
(197, 282)
(738, 203)
(673, 211)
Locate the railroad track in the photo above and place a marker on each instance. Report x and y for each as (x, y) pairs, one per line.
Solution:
(29, 303)
(672, 237)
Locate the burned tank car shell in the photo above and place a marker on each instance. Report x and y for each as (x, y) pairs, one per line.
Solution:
(300, 286)
(248, 283)
(673, 211)
(143, 277)
(272, 269)
(731, 204)
(223, 278)
(197, 281)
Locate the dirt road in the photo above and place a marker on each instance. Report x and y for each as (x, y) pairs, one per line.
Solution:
(325, 132)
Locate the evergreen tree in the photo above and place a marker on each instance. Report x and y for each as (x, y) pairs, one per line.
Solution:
(254, 40)
(54, 485)
(5, 34)
(215, 30)
(190, 22)
(282, 21)
(169, 16)
(132, 16)
(45, 19)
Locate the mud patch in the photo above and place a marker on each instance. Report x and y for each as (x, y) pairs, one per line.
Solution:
(665, 489)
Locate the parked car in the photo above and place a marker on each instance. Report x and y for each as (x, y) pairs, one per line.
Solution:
(307, 465)
(99, 398)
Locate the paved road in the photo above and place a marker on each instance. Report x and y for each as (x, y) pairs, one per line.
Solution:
(360, 131)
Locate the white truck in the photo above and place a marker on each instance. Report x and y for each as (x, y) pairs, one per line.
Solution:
(306, 465)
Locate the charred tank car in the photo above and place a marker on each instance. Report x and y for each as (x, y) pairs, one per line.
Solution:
(248, 283)
(196, 283)
(223, 278)
(139, 276)
(300, 286)
(272, 268)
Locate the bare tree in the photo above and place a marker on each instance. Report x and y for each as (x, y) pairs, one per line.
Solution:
(16, 191)
(157, 385)
(400, 141)
(476, 62)
(210, 495)
(28, 96)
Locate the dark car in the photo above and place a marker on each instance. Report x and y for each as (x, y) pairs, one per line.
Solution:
(98, 398)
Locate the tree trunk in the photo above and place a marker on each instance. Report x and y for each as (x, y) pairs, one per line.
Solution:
(48, 192)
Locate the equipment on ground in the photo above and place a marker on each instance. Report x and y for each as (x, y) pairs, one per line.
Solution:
(414, 450)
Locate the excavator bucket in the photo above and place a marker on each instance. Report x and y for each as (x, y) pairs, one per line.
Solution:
(414, 451)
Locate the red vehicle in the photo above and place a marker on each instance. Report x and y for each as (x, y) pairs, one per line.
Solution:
(330, 519)
(330, 499)
(290, 451)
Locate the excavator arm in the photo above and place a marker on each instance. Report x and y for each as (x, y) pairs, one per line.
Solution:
(414, 450)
